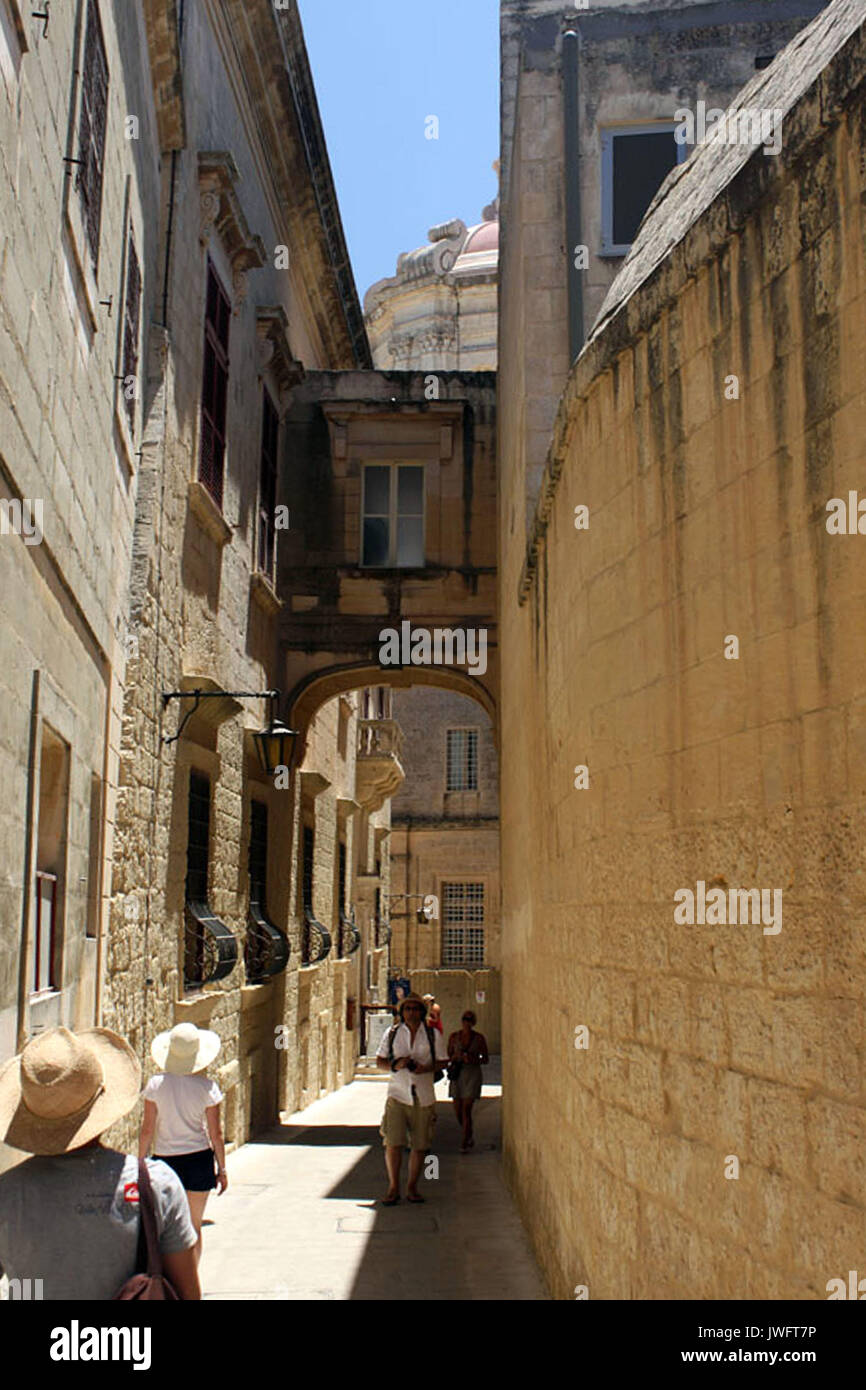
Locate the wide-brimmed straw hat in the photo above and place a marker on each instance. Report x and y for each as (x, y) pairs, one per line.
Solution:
(66, 1088)
(413, 999)
(185, 1049)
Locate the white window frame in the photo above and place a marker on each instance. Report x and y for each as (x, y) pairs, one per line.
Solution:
(608, 134)
(394, 465)
(461, 730)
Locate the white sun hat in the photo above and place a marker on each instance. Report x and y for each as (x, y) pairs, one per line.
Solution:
(185, 1049)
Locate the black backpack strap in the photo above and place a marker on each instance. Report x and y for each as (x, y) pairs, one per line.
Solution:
(432, 1041)
(147, 1218)
(392, 1033)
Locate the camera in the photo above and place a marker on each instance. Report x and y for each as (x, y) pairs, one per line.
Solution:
(411, 1065)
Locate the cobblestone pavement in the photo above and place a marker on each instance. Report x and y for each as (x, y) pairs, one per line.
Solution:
(302, 1217)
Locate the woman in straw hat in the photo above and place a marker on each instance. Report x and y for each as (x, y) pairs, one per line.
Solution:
(69, 1215)
(182, 1115)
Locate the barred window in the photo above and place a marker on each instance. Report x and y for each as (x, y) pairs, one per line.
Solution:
(214, 393)
(309, 852)
(462, 924)
(91, 129)
(462, 760)
(199, 835)
(131, 323)
(268, 484)
(258, 852)
(197, 852)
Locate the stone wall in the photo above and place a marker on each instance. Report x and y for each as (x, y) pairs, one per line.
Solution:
(65, 444)
(637, 63)
(707, 521)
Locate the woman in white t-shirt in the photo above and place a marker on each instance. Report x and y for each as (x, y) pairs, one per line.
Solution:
(182, 1115)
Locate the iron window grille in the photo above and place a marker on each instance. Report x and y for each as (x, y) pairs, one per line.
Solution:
(210, 949)
(462, 760)
(131, 325)
(214, 394)
(266, 951)
(316, 939)
(93, 121)
(463, 924)
(393, 519)
(635, 161)
(268, 485)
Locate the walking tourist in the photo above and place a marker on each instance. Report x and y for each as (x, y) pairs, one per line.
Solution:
(434, 1013)
(410, 1049)
(69, 1216)
(467, 1051)
(182, 1115)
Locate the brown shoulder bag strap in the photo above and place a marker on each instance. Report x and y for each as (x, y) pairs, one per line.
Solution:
(147, 1216)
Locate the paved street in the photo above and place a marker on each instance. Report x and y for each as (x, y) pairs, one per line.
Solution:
(302, 1217)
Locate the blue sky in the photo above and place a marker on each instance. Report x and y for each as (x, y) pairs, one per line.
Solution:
(381, 67)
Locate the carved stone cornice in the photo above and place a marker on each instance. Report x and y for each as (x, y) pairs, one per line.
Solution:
(220, 210)
(275, 351)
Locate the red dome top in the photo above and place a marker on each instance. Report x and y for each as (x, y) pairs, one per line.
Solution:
(483, 238)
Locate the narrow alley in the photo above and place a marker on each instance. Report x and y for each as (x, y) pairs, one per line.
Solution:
(302, 1217)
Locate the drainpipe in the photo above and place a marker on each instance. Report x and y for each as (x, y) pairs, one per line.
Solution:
(570, 57)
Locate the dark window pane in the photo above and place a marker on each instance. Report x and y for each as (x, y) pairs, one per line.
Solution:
(410, 541)
(258, 852)
(199, 832)
(377, 491)
(410, 491)
(375, 542)
(640, 165)
(309, 850)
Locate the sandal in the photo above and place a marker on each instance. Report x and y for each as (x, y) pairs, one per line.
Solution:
(415, 1198)
(390, 1201)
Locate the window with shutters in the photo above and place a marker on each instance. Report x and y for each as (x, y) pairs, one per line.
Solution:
(462, 760)
(214, 396)
(268, 484)
(92, 125)
(131, 326)
(463, 924)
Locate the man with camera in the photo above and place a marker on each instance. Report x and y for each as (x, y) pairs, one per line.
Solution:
(415, 1056)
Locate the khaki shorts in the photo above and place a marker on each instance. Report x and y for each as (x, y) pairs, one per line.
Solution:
(407, 1124)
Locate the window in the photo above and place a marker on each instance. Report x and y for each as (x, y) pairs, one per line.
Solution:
(94, 856)
(462, 924)
(341, 880)
(635, 160)
(268, 484)
(91, 129)
(393, 515)
(131, 320)
(49, 885)
(197, 849)
(309, 851)
(462, 760)
(214, 394)
(258, 852)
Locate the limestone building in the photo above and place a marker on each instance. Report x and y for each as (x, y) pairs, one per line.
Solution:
(690, 653)
(439, 311)
(445, 844)
(80, 281)
(235, 877)
(589, 132)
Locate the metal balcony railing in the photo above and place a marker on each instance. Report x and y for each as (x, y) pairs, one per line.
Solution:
(349, 937)
(210, 949)
(266, 949)
(316, 940)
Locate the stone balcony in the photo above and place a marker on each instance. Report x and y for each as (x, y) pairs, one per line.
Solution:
(379, 769)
